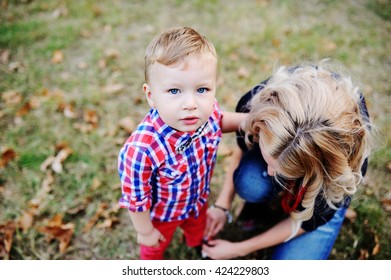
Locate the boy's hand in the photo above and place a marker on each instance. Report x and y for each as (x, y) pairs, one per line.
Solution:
(151, 239)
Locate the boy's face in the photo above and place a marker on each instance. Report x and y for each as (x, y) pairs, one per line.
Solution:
(183, 93)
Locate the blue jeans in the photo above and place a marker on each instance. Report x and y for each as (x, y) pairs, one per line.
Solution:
(253, 184)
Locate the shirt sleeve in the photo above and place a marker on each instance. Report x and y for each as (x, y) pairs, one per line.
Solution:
(135, 171)
(322, 214)
(217, 115)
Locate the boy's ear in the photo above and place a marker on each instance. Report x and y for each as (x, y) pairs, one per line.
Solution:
(148, 95)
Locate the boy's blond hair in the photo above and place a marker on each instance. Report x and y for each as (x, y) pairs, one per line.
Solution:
(175, 44)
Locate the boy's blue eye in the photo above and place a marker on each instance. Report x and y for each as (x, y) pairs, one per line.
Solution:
(202, 90)
(173, 90)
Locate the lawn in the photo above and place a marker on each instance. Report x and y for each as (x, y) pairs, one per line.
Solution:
(71, 75)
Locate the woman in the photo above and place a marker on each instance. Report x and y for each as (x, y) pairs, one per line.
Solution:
(306, 140)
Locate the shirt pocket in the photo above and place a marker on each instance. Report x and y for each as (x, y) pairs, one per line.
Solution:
(173, 176)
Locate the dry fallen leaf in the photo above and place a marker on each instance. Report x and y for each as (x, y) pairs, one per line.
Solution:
(26, 108)
(364, 254)
(243, 73)
(11, 97)
(96, 183)
(57, 57)
(276, 42)
(386, 202)
(113, 88)
(351, 215)
(63, 233)
(16, 66)
(6, 236)
(101, 208)
(6, 156)
(376, 248)
(112, 53)
(69, 111)
(26, 220)
(91, 116)
(63, 154)
(108, 222)
(4, 56)
(37, 201)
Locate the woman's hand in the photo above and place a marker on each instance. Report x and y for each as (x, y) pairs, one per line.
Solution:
(150, 239)
(214, 222)
(221, 249)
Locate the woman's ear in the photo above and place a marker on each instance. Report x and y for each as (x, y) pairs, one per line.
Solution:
(148, 95)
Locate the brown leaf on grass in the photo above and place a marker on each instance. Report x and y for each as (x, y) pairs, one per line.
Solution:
(26, 108)
(11, 97)
(127, 124)
(46, 163)
(55, 94)
(16, 66)
(6, 156)
(37, 201)
(351, 215)
(58, 230)
(68, 110)
(25, 221)
(328, 45)
(6, 237)
(276, 42)
(61, 156)
(57, 57)
(243, 73)
(112, 53)
(32, 104)
(60, 12)
(91, 117)
(376, 248)
(81, 205)
(113, 88)
(4, 56)
(386, 202)
(102, 64)
(84, 127)
(101, 208)
(96, 183)
(108, 222)
(364, 254)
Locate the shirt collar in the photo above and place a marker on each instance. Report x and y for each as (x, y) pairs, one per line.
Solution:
(173, 136)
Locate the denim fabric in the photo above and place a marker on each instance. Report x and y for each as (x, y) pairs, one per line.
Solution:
(253, 184)
(314, 245)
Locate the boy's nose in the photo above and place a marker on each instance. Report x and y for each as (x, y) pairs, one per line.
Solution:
(190, 102)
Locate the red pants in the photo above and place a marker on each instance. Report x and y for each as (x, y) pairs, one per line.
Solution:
(193, 229)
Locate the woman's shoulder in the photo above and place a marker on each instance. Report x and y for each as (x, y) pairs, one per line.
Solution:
(243, 105)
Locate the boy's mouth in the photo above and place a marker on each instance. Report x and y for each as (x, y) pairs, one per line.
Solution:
(190, 120)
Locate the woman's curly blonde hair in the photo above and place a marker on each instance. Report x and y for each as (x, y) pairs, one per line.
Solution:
(310, 119)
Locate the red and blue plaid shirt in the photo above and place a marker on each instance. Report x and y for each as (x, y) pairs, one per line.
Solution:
(155, 174)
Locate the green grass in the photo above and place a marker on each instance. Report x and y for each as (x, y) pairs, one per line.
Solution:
(254, 35)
